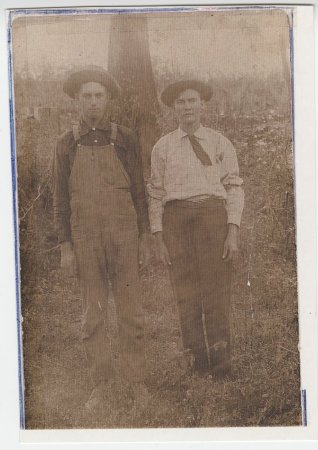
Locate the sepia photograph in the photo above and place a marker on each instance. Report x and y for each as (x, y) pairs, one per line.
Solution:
(154, 158)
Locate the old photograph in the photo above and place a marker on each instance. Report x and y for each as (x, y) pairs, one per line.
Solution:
(156, 217)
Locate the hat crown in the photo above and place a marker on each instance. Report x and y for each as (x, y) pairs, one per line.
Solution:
(173, 90)
(90, 73)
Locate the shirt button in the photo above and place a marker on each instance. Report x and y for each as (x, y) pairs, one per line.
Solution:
(93, 129)
(95, 140)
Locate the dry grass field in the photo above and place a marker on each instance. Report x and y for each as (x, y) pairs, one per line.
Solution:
(265, 388)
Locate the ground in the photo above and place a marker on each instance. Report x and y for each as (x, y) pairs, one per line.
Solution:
(265, 387)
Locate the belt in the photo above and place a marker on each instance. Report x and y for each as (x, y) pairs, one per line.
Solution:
(212, 202)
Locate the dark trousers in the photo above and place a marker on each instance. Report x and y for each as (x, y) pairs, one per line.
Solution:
(194, 236)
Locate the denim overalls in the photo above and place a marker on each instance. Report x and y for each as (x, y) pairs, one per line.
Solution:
(105, 241)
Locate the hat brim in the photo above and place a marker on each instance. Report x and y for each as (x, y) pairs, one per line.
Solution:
(171, 92)
(74, 82)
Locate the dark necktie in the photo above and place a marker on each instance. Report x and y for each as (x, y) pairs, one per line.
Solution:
(199, 152)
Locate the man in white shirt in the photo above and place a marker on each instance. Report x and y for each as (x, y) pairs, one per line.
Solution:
(195, 207)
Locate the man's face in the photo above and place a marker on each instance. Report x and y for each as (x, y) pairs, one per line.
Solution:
(93, 99)
(188, 106)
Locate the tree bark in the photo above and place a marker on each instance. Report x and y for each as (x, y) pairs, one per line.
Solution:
(130, 63)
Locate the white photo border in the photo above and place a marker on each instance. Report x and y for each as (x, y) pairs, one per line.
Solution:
(306, 206)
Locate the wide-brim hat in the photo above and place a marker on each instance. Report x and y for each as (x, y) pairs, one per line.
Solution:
(172, 91)
(90, 74)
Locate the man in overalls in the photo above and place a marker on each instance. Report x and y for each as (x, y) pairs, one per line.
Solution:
(195, 207)
(101, 218)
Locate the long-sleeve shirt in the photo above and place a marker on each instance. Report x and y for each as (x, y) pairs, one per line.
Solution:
(177, 174)
(128, 151)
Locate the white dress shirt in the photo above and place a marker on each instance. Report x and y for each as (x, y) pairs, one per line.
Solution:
(177, 174)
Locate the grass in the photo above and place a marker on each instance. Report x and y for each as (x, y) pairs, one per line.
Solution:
(265, 388)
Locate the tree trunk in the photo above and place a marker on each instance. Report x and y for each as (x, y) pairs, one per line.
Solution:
(129, 62)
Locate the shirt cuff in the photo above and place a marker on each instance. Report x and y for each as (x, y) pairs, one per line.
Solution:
(233, 218)
(156, 228)
(156, 222)
(155, 214)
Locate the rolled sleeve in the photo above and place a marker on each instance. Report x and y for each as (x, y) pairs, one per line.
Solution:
(156, 190)
(232, 182)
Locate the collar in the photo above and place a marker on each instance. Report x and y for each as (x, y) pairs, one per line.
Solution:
(199, 133)
(103, 125)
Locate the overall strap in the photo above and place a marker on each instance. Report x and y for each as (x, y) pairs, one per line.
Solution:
(76, 132)
(113, 134)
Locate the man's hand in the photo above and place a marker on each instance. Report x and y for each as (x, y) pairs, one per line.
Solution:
(162, 253)
(231, 247)
(144, 251)
(68, 263)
